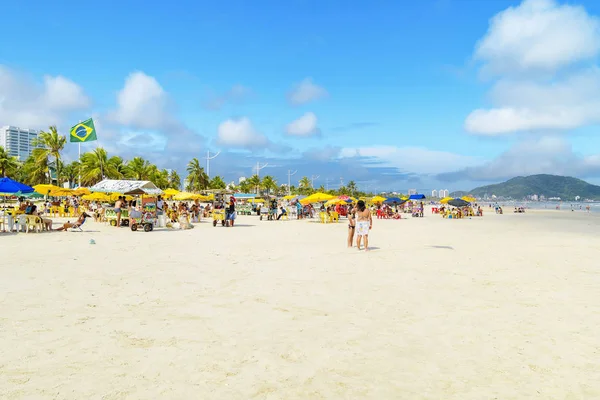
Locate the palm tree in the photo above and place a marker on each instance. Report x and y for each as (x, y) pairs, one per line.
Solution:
(352, 188)
(305, 185)
(8, 164)
(159, 177)
(52, 143)
(35, 169)
(197, 178)
(245, 186)
(139, 169)
(217, 183)
(269, 183)
(95, 166)
(120, 168)
(174, 180)
(254, 183)
(70, 172)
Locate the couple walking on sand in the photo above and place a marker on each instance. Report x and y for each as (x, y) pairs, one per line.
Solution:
(359, 220)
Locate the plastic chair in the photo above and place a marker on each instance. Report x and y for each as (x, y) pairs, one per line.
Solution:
(34, 222)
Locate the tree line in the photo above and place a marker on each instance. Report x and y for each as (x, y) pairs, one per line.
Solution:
(96, 165)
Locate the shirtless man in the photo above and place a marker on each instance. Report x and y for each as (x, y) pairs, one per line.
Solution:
(364, 223)
(118, 206)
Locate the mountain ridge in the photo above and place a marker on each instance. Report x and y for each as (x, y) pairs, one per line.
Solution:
(565, 187)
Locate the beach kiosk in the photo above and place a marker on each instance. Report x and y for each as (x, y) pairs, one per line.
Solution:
(148, 192)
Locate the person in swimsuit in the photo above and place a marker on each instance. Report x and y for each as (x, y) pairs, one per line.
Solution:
(118, 205)
(364, 223)
(351, 225)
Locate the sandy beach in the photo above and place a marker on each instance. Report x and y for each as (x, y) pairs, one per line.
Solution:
(499, 307)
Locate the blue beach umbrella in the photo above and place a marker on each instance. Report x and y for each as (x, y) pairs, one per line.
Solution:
(9, 186)
(416, 197)
(393, 200)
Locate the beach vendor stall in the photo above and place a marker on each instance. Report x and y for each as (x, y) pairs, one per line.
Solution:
(148, 192)
(221, 207)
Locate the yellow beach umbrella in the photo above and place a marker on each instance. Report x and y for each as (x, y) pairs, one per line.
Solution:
(316, 198)
(96, 196)
(61, 192)
(469, 199)
(171, 192)
(182, 196)
(377, 199)
(256, 200)
(334, 202)
(289, 196)
(82, 191)
(445, 200)
(46, 189)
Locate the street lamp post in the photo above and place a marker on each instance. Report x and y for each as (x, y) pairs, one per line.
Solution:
(290, 174)
(313, 179)
(258, 168)
(208, 158)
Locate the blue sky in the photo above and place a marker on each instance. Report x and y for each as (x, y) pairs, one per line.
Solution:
(395, 95)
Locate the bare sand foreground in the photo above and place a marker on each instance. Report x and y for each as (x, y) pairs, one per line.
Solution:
(501, 307)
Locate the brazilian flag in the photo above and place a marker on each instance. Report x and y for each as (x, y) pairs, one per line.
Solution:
(83, 132)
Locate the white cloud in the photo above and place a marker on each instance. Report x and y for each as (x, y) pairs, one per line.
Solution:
(27, 104)
(142, 103)
(238, 93)
(305, 92)
(545, 155)
(411, 159)
(527, 46)
(304, 126)
(240, 134)
(538, 35)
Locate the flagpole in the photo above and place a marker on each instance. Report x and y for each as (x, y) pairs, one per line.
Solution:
(79, 164)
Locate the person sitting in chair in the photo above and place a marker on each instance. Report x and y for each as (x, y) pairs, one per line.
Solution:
(77, 224)
(283, 212)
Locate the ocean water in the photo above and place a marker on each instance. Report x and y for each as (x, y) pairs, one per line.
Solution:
(545, 205)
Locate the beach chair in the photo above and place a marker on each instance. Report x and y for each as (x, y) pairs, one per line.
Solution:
(323, 217)
(77, 227)
(33, 222)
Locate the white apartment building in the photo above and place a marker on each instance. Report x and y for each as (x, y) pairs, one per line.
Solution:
(18, 142)
(412, 191)
(434, 193)
(443, 193)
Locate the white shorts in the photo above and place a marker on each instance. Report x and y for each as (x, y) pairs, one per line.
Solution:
(362, 228)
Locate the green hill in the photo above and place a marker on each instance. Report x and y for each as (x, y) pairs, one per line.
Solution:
(565, 187)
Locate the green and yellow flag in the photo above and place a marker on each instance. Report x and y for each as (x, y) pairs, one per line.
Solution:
(83, 132)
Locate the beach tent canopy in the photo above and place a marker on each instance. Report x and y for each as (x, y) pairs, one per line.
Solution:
(126, 187)
(469, 199)
(9, 186)
(46, 189)
(416, 197)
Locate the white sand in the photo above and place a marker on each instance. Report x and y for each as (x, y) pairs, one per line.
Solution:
(500, 307)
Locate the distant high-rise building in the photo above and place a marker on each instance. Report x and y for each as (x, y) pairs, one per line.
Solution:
(443, 193)
(412, 191)
(434, 193)
(18, 142)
